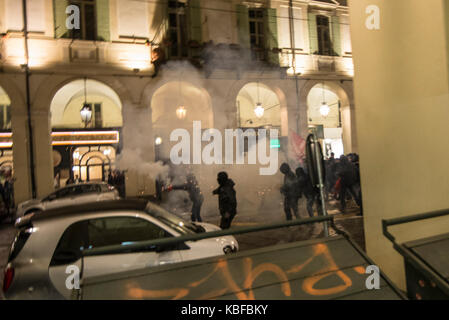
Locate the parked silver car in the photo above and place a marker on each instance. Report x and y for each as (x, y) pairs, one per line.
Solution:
(49, 245)
(69, 195)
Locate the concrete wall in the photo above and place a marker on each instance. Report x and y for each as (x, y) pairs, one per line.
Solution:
(401, 92)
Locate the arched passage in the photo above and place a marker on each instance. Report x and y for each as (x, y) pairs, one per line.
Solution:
(258, 106)
(69, 100)
(85, 144)
(177, 104)
(329, 112)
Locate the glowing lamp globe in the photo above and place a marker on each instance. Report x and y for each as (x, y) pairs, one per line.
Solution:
(259, 110)
(86, 114)
(324, 109)
(181, 113)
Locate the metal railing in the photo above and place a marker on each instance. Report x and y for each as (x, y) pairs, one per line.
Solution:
(142, 245)
(408, 255)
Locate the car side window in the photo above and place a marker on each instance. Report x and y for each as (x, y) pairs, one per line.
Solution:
(71, 244)
(63, 193)
(121, 231)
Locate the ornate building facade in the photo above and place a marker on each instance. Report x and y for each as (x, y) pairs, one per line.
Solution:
(143, 68)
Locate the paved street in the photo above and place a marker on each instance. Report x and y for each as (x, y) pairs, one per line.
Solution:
(349, 222)
(7, 233)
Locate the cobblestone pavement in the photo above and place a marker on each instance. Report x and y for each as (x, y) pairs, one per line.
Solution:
(350, 222)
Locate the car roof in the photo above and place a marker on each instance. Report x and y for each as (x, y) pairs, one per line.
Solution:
(91, 207)
(84, 184)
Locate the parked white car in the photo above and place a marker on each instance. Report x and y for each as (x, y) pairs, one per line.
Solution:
(50, 243)
(69, 195)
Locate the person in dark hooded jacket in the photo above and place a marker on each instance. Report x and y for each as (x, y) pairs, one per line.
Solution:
(348, 174)
(311, 192)
(195, 196)
(290, 191)
(227, 201)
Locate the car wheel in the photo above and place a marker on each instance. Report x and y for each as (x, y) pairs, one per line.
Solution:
(32, 211)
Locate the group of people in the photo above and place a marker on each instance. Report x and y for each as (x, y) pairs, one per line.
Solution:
(227, 200)
(342, 179)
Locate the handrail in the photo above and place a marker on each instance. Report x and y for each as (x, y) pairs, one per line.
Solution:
(408, 255)
(417, 217)
(195, 237)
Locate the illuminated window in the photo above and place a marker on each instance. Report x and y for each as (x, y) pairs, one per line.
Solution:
(177, 23)
(88, 25)
(324, 38)
(5, 117)
(257, 33)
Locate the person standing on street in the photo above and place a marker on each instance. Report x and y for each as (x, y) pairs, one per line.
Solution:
(227, 201)
(195, 195)
(348, 183)
(311, 193)
(290, 191)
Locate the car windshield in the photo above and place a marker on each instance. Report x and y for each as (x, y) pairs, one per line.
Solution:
(182, 226)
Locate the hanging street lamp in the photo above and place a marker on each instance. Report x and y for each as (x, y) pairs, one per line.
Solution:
(86, 110)
(86, 114)
(181, 112)
(324, 109)
(259, 110)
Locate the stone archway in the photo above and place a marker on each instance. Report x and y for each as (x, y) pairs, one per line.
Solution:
(236, 88)
(45, 89)
(343, 94)
(167, 101)
(20, 147)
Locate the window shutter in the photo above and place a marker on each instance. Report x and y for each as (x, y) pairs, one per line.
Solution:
(195, 20)
(313, 33)
(103, 32)
(336, 40)
(195, 24)
(60, 17)
(243, 26)
(271, 35)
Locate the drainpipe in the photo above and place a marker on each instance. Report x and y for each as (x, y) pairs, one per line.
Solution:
(293, 46)
(27, 88)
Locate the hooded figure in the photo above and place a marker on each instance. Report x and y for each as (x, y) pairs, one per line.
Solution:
(290, 191)
(312, 193)
(346, 171)
(195, 196)
(227, 202)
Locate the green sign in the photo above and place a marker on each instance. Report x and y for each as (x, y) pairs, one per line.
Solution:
(275, 144)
